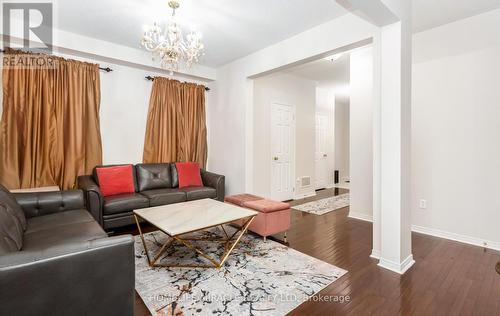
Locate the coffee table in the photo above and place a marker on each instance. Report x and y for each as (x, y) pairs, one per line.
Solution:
(180, 219)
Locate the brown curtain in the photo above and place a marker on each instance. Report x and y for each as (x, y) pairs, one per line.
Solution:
(49, 133)
(176, 129)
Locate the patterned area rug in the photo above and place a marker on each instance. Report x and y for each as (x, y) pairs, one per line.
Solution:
(325, 205)
(259, 278)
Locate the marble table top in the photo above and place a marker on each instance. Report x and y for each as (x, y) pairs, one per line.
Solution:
(181, 218)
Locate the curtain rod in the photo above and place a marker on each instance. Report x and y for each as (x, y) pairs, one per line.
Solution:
(152, 79)
(107, 69)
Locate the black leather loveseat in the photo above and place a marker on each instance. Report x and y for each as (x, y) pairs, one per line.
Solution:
(55, 259)
(155, 184)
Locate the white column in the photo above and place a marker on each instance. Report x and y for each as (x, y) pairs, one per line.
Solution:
(395, 126)
(391, 129)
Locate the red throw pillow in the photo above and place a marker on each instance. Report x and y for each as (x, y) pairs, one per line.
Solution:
(115, 180)
(189, 174)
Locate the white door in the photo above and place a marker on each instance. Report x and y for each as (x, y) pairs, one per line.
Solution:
(321, 153)
(282, 151)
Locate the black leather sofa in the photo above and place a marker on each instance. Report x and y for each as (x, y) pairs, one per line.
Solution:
(55, 259)
(155, 184)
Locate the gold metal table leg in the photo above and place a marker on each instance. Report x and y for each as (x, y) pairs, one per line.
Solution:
(142, 238)
(243, 231)
(214, 264)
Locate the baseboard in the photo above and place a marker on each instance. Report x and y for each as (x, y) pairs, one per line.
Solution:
(400, 268)
(305, 195)
(361, 216)
(456, 237)
(375, 254)
(439, 233)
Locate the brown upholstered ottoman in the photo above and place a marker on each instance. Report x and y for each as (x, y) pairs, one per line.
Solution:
(273, 217)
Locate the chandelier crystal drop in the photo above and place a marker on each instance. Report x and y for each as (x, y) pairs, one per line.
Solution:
(170, 47)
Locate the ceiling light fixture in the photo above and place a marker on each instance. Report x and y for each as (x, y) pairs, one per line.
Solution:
(170, 46)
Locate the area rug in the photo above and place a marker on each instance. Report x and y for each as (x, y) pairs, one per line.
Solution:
(259, 278)
(325, 205)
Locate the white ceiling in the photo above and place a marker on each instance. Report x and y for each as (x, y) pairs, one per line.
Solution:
(231, 28)
(235, 28)
(323, 70)
(431, 13)
(331, 75)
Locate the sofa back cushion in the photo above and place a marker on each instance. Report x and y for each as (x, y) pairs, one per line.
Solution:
(9, 199)
(11, 230)
(116, 180)
(153, 176)
(175, 175)
(96, 179)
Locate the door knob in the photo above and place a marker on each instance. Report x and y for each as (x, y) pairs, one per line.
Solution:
(325, 155)
(275, 158)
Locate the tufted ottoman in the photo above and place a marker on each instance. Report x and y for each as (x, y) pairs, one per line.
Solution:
(273, 218)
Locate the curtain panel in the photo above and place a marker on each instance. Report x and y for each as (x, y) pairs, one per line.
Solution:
(176, 129)
(50, 129)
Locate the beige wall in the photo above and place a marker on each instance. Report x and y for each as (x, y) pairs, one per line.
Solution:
(290, 90)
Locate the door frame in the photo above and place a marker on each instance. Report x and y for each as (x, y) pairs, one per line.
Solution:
(292, 148)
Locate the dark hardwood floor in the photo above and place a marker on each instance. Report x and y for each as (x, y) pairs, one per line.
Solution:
(448, 278)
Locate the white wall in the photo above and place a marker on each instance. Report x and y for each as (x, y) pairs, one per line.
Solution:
(124, 107)
(361, 134)
(232, 151)
(456, 130)
(342, 138)
(289, 90)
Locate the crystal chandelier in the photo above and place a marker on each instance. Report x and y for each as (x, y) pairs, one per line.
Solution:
(170, 47)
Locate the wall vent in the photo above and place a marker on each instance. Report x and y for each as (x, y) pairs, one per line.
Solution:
(305, 181)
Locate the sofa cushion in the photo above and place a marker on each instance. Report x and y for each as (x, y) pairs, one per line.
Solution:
(116, 180)
(11, 230)
(124, 203)
(9, 199)
(56, 220)
(189, 174)
(153, 176)
(198, 193)
(164, 196)
(40, 204)
(175, 175)
(64, 236)
(96, 180)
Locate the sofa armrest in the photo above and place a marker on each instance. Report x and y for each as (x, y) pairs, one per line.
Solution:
(215, 181)
(93, 197)
(44, 203)
(94, 278)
